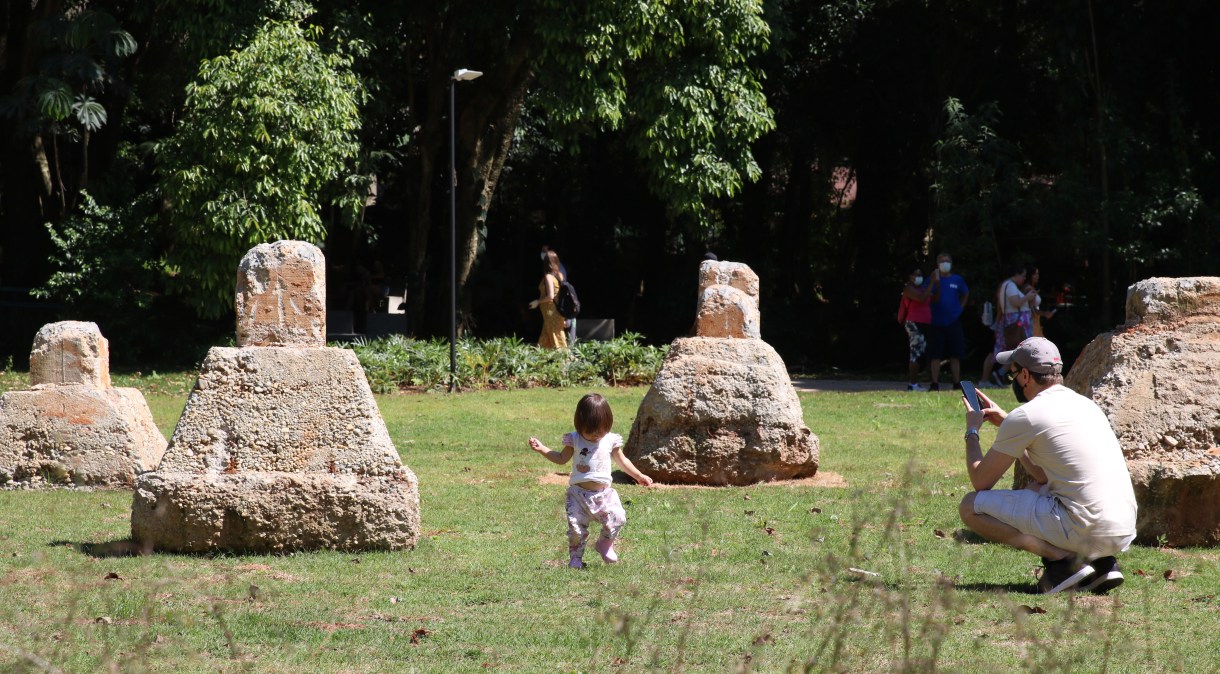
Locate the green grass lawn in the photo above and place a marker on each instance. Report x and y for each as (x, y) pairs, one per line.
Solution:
(729, 579)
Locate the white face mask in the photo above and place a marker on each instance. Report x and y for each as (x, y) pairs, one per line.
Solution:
(945, 267)
(918, 280)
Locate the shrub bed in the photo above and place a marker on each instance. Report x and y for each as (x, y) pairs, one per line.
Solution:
(398, 363)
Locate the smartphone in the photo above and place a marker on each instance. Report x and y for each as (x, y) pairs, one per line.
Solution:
(972, 395)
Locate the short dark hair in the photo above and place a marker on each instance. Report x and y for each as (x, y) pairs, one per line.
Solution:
(593, 415)
(1048, 379)
(1042, 379)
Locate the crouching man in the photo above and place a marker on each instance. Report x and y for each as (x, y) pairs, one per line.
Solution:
(1080, 510)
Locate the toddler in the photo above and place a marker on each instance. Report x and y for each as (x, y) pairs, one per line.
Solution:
(590, 496)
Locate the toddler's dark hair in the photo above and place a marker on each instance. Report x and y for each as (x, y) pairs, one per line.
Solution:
(593, 415)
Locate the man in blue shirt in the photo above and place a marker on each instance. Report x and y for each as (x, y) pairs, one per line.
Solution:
(945, 335)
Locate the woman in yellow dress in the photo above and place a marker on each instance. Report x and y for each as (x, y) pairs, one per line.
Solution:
(553, 334)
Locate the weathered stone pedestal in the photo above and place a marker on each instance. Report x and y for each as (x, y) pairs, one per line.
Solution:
(722, 410)
(73, 427)
(281, 446)
(1157, 377)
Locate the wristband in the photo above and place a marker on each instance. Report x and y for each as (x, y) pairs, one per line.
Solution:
(971, 432)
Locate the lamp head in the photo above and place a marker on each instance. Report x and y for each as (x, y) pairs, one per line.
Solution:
(462, 74)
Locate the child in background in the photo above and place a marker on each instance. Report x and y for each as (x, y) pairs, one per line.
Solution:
(590, 496)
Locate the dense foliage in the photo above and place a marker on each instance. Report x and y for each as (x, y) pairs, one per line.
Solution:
(827, 143)
(267, 139)
(396, 364)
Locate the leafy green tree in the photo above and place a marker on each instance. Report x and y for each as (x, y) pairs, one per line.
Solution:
(679, 78)
(676, 80)
(268, 138)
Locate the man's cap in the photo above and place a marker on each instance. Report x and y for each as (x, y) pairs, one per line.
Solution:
(1036, 354)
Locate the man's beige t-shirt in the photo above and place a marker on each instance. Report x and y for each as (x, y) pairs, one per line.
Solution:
(1069, 437)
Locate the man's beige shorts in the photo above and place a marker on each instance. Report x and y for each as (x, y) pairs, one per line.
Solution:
(1040, 514)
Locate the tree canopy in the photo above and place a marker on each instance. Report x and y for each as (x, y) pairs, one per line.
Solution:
(829, 144)
(268, 138)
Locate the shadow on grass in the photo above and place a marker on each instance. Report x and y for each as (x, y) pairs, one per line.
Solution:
(119, 548)
(1011, 588)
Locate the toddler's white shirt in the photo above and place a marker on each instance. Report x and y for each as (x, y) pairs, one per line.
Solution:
(591, 460)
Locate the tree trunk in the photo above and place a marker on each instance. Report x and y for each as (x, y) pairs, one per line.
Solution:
(485, 138)
(487, 113)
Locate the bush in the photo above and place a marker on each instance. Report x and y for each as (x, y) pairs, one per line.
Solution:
(398, 363)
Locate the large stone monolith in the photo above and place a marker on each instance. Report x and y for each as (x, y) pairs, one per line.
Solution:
(72, 426)
(722, 410)
(1156, 377)
(281, 446)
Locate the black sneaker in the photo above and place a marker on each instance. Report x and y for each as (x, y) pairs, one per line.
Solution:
(957, 386)
(1063, 574)
(933, 386)
(1106, 576)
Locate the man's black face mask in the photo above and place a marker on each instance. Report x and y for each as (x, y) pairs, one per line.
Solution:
(1017, 390)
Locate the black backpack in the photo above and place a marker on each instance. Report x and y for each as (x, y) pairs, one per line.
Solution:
(566, 302)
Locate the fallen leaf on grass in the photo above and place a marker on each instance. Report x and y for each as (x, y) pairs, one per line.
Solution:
(112, 576)
(617, 661)
(770, 530)
(1204, 598)
(938, 533)
(1170, 575)
(749, 512)
(103, 620)
(1141, 572)
(418, 634)
(1031, 609)
(394, 600)
(747, 497)
(815, 511)
(862, 572)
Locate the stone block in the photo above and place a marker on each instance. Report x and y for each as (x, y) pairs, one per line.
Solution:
(281, 296)
(732, 274)
(72, 427)
(70, 352)
(281, 445)
(725, 311)
(75, 434)
(1155, 378)
(722, 412)
(279, 448)
(272, 512)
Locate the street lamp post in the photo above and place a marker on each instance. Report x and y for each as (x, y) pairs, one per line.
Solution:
(459, 75)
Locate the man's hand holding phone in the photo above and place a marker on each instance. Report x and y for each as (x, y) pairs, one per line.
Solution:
(989, 411)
